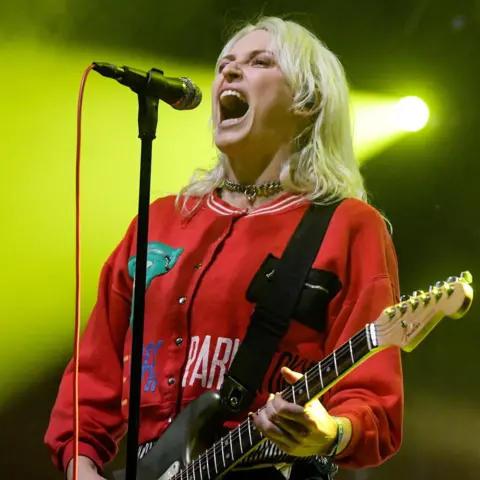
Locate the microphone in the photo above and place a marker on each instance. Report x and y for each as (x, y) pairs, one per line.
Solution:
(180, 93)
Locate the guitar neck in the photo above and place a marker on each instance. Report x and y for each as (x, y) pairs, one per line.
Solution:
(321, 377)
(231, 448)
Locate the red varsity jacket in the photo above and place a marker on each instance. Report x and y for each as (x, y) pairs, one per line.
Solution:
(197, 311)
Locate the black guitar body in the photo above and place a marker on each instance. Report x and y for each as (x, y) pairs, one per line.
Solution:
(191, 433)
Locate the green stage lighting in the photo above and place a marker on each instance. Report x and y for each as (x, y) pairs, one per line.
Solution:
(411, 114)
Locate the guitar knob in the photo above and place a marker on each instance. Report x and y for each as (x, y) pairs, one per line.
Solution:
(405, 298)
(466, 277)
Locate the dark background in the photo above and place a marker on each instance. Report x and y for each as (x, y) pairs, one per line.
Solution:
(427, 184)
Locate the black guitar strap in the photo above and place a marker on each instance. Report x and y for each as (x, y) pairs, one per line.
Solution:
(271, 317)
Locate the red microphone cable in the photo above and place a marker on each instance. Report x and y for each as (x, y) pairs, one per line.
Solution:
(76, 345)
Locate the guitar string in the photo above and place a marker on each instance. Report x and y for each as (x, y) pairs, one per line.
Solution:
(327, 363)
(237, 433)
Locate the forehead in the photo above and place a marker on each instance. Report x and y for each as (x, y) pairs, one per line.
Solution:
(256, 40)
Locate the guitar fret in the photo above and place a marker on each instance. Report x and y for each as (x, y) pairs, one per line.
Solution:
(320, 372)
(200, 466)
(223, 454)
(231, 445)
(335, 362)
(306, 385)
(293, 393)
(193, 470)
(240, 437)
(208, 466)
(249, 432)
(351, 351)
(215, 458)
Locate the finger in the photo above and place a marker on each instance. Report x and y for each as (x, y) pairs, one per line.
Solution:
(296, 430)
(291, 411)
(290, 376)
(272, 431)
(293, 432)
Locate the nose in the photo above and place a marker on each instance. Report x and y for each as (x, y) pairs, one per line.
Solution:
(231, 71)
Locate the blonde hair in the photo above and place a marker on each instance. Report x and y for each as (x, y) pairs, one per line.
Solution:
(323, 165)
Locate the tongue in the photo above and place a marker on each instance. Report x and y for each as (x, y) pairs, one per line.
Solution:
(233, 107)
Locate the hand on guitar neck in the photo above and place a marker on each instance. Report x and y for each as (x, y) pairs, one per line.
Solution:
(87, 470)
(301, 431)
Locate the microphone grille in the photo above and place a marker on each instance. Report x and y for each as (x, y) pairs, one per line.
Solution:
(193, 96)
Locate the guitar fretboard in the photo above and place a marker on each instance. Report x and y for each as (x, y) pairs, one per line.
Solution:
(227, 451)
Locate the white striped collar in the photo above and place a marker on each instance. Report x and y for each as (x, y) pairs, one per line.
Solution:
(280, 204)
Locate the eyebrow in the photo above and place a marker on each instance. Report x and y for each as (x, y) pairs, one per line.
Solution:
(252, 54)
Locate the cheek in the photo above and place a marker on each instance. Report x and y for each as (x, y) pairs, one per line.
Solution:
(275, 96)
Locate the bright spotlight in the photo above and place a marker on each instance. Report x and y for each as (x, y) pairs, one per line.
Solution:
(412, 114)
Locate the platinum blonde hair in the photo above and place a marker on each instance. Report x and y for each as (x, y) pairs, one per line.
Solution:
(323, 164)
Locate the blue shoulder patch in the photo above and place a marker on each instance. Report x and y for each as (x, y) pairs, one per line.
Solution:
(161, 259)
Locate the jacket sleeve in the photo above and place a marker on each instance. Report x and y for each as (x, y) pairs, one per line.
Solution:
(370, 396)
(101, 424)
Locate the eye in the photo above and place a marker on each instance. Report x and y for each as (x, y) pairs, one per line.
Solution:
(222, 66)
(262, 61)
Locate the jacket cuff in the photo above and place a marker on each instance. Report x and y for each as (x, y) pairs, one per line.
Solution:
(84, 449)
(356, 431)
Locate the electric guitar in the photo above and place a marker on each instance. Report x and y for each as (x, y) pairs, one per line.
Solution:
(192, 448)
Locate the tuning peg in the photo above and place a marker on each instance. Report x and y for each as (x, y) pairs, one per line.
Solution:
(390, 312)
(403, 307)
(452, 279)
(466, 277)
(440, 284)
(425, 298)
(414, 303)
(436, 293)
(405, 298)
(450, 289)
(418, 293)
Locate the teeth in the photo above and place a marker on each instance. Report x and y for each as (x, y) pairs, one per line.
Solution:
(233, 93)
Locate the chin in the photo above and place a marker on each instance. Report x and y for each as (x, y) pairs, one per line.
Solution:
(234, 138)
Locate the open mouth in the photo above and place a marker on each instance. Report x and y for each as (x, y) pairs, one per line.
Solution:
(233, 107)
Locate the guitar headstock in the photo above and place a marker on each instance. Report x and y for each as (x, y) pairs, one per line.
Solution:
(406, 324)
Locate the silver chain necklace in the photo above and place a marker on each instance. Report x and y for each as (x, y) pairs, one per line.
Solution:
(253, 191)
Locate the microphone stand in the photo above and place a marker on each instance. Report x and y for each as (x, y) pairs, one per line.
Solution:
(147, 125)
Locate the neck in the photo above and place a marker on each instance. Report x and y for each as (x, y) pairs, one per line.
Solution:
(254, 170)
